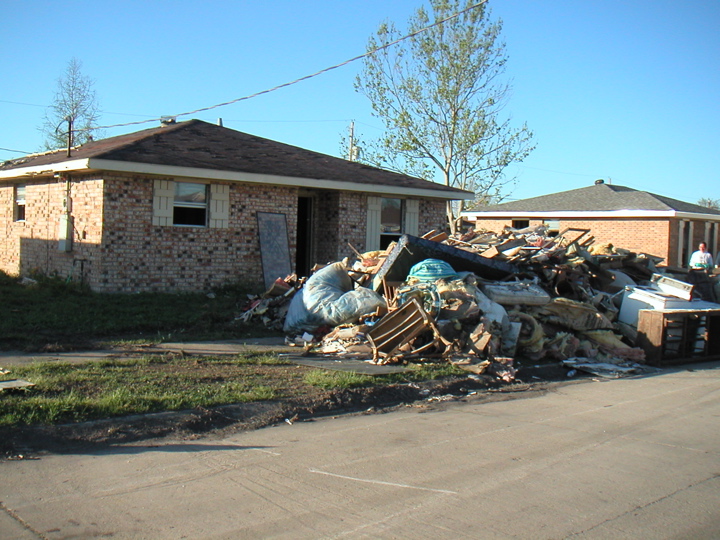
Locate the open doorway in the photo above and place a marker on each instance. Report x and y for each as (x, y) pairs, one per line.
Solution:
(303, 254)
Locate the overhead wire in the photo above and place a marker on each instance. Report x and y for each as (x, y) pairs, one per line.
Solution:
(285, 85)
(16, 151)
(306, 77)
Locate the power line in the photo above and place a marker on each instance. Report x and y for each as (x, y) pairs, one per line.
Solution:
(273, 89)
(20, 103)
(317, 73)
(17, 151)
(102, 111)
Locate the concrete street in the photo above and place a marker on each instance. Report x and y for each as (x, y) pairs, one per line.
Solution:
(629, 458)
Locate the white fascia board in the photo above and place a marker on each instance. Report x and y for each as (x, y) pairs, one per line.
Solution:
(690, 215)
(612, 214)
(255, 178)
(45, 170)
(572, 215)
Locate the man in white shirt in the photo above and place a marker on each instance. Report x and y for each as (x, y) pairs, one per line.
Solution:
(701, 263)
(701, 259)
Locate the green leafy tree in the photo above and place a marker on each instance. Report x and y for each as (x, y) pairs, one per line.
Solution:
(440, 96)
(74, 111)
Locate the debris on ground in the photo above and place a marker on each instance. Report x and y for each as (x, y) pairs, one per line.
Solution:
(482, 301)
(14, 384)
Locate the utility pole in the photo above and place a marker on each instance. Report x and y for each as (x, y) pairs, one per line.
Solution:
(351, 146)
(69, 134)
(353, 150)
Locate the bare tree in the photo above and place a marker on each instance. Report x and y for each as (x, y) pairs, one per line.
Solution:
(73, 116)
(710, 203)
(441, 97)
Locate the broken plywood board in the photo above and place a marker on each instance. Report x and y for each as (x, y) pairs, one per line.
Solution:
(398, 329)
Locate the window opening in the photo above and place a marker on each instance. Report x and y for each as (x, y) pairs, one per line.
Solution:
(391, 221)
(190, 205)
(520, 223)
(552, 227)
(20, 202)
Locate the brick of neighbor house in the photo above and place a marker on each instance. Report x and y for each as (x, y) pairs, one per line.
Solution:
(120, 203)
(639, 221)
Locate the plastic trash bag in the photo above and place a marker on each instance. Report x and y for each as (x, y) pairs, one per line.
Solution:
(328, 298)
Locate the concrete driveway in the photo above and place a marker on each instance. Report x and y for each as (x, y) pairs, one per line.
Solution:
(628, 458)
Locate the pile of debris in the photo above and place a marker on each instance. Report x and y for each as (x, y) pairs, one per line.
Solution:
(479, 300)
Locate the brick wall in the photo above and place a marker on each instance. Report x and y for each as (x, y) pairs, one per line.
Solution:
(433, 216)
(10, 233)
(32, 245)
(352, 224)
(116, 247)
(640, 236)
(326, 227)
(497, 225)
(138, 256)
(653, 236)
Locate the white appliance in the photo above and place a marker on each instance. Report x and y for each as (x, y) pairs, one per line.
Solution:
(639, 298)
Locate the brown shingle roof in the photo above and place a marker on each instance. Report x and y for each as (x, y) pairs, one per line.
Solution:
(198, 144)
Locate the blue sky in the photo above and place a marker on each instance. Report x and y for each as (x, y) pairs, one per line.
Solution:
(624, 90)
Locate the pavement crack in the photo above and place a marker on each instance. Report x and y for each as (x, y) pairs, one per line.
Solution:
(646, 505)
(24, 524)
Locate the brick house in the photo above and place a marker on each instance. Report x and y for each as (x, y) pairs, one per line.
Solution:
(636, 220)
(189, 206)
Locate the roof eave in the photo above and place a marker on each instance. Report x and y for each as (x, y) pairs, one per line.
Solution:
(45, 170)
(98, 164)
(255, 178)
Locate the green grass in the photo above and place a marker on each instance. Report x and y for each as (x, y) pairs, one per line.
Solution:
(337, 379)
(56, 315)
(65, 392)
(71, 393)
(425, 371)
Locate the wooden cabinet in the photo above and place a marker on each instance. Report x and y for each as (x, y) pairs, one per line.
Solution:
(675, 336)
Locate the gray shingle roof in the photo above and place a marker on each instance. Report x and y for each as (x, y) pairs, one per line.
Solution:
(198, 144)
(598, 198)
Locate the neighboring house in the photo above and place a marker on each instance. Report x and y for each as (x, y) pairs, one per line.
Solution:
(183, 207)
(636, 220)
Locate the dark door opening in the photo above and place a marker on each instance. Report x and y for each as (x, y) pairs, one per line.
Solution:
(303, 254)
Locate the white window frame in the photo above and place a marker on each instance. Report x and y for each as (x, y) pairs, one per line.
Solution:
(409, 220)
(217, 204)
(19, 202)
(191, 204)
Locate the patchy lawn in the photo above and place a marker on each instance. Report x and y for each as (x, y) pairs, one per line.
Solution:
(105, 402)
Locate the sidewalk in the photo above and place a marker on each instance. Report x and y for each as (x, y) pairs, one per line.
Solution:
(204, 348)
(209, 348)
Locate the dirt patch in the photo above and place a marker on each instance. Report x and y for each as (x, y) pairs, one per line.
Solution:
(299, 402)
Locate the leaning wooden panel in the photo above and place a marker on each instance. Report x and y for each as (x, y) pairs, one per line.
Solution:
(399, 328)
